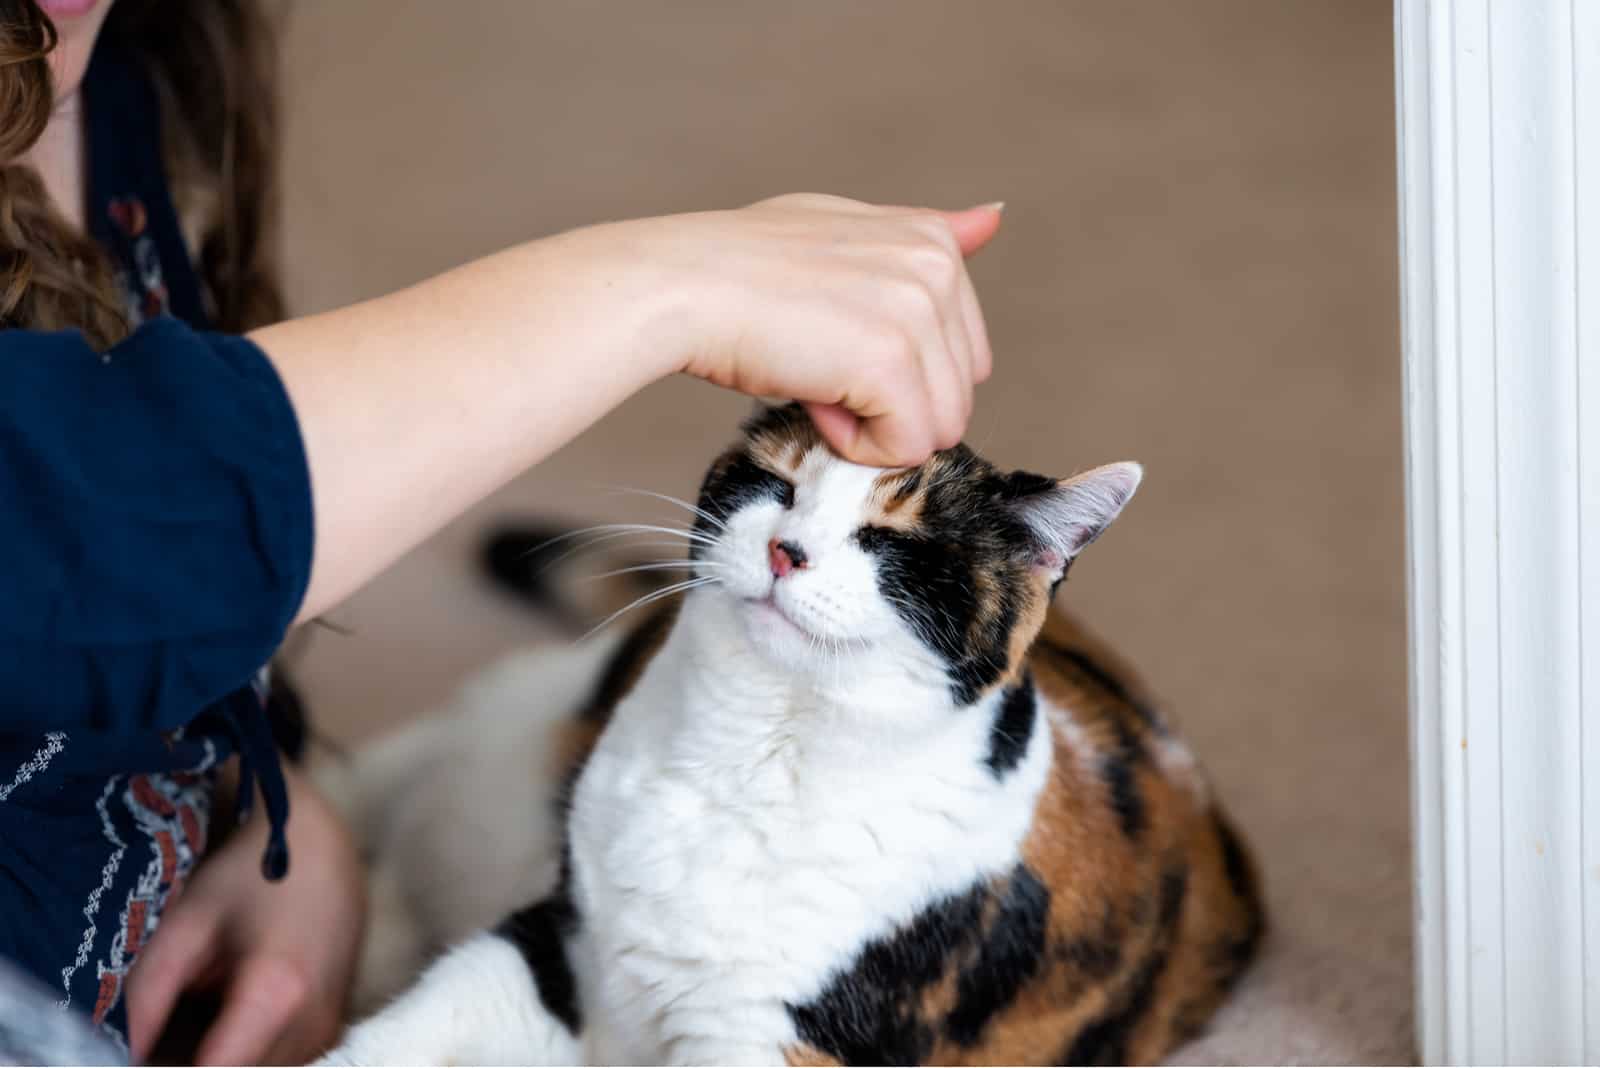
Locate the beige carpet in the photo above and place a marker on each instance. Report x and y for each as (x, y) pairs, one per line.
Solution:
(1197, 271)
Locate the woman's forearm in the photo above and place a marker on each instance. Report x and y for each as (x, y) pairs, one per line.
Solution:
(415, 405)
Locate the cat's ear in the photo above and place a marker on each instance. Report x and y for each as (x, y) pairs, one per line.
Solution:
(1066, 516)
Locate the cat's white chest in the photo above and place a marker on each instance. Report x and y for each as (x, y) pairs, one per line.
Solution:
(733, 887)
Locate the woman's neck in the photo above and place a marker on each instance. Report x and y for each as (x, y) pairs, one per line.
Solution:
(58, 156)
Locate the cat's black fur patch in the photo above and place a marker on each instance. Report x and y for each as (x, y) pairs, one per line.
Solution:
(623, 667)
(1012, 728)
(929, 580)
(1019, 484)
(1174, 887)
(779, 421)
(1096, 955)
(931, 572)
(1105, 1039)
(1013, 948)
(869, 1013)
(1096, 673)
(1240, 879)
(910, 484)
(540, 933)
(733, 482)
(1233, 953)
(1117, 768)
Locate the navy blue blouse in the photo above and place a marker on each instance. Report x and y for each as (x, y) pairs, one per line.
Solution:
(156, 527)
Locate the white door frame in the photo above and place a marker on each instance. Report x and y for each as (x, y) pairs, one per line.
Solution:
(1499, 165)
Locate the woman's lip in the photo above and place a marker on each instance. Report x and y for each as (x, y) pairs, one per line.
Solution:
(58, 9)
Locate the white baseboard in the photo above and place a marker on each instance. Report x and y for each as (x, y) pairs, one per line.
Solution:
(1499, 154)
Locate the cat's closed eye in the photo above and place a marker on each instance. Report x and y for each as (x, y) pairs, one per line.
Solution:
(765, 482)
(743, 481)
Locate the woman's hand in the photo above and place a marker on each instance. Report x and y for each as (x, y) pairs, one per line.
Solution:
(865, 313)
(282, 954)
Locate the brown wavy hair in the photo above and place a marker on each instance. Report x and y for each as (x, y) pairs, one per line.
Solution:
(214, 66)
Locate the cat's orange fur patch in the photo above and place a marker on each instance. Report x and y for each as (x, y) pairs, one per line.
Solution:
(783, 450)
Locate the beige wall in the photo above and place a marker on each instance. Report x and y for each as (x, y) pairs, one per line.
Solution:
(1197, 271)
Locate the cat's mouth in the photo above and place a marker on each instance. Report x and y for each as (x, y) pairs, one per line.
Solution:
(767, 610)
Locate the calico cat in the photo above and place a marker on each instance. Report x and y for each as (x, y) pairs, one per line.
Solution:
(862, 796)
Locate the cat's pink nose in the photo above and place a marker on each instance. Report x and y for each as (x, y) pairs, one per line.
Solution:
(785, 556)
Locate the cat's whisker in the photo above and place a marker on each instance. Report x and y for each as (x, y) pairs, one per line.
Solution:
(661, 528)
(679, 501)
(812, 648)
(686, 533)
(659, 565)
(649, 598)
(633, 546)
(615, 536)
(575, 550)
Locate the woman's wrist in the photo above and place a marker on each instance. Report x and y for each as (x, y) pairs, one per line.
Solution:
(627, 275)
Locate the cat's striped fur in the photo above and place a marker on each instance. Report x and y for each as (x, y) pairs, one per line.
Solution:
(905, 814)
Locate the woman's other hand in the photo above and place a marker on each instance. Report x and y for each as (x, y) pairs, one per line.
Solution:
(282, 955)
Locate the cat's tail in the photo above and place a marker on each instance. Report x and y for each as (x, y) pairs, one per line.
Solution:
(551, 568)
(522, 559)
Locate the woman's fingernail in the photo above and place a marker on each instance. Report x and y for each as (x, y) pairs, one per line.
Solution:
(995, 205)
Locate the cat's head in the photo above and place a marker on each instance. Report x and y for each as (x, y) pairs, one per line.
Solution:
(945, 567)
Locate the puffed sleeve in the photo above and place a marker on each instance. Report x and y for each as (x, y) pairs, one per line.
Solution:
(155, 525)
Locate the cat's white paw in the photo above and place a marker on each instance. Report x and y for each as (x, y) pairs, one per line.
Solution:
(345, 1055)
(359, 1049)
(478, 1004)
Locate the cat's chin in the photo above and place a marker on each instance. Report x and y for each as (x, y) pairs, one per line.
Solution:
(776, 635)
(780, 639)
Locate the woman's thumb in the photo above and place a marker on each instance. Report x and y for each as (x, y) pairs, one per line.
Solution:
(975, 226)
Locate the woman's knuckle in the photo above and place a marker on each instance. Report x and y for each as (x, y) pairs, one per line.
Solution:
(883, 341)
(946, 239)
(884, 362)
(932, 262)
(910, 296)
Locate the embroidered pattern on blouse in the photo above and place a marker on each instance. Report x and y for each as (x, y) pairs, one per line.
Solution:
(142, 282)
